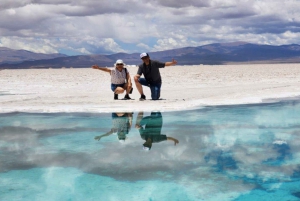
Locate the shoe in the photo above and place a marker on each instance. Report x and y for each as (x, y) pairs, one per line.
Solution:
(126, 97)
(116, 96)
(143, 97)
(131, 91)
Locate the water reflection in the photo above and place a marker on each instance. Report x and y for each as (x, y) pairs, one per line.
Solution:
(225, 153)
(121, 125)
(150, 129)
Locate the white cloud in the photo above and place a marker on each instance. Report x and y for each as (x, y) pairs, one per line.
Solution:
(52, 45)
(93, 27)
(30, 44)
(143, 46)
(111, 45)
(164, 44)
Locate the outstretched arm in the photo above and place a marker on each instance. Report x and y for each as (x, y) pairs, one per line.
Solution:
(106, 134)
(173, 139)
(171, 63)
(101, 68)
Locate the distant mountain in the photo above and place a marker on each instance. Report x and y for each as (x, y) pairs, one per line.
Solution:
(241, 53)
(17, 56)
(213, 54)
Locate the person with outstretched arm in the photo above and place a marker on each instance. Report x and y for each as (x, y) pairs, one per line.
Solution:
(120, 79)
(150, 69)
(150, 129)
(121, 125)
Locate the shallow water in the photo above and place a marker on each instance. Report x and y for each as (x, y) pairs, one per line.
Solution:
(248, 152)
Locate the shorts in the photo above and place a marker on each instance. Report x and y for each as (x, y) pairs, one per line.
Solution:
(114, 86)
(154, 87)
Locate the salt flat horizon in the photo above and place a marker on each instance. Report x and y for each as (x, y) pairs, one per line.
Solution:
(183, 88)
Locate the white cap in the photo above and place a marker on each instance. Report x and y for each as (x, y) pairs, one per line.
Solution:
(146, 148)
(144, 54)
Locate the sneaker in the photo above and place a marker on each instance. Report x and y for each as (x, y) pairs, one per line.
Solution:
(143, 97)
(116, 96)
(131, 91)
(126, 97)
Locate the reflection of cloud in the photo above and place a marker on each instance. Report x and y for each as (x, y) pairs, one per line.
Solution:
(241, 145)
(73, 184)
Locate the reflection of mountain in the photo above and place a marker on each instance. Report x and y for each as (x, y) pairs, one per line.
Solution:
(218, 53)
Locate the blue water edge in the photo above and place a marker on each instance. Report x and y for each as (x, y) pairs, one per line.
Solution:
(243, 152)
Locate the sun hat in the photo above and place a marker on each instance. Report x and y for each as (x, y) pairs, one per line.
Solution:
(119, 61)
(144, 54)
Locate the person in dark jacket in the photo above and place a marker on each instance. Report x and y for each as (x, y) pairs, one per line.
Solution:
(150, 129)
(150, 69)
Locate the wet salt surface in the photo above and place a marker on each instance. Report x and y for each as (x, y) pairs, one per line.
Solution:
(242, 152)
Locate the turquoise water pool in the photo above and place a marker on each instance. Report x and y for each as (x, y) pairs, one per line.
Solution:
(244, 152)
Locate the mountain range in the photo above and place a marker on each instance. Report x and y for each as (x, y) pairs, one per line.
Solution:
(11, 56)
(212, 54)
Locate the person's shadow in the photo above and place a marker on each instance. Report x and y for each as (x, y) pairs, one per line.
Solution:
(150, 129)
(121, 125)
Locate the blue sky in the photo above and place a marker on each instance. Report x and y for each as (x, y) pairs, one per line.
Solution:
(109, 26)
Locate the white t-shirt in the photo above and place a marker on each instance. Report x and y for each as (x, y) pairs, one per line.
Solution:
(118, 77)
(120, 123)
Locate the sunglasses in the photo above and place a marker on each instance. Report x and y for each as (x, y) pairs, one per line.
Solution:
(144, 58)
(119, 64)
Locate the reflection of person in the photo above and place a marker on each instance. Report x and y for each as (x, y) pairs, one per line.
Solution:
(150, 70)
(120, 79)
(121, 124)
(150, 129)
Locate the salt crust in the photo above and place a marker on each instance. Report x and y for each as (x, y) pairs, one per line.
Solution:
(183, 88)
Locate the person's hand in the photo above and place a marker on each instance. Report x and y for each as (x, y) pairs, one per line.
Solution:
(173, 139)
(174, 62)
(137, 126)
(97, 138)
(95, 67)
